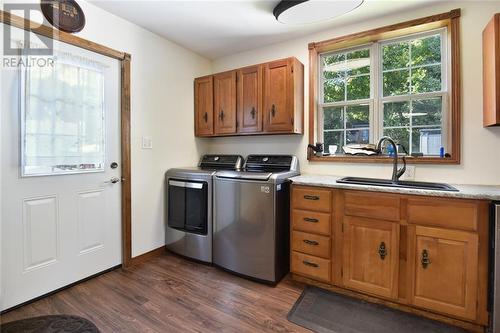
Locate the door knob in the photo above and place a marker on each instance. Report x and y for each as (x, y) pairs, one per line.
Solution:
(113, 180)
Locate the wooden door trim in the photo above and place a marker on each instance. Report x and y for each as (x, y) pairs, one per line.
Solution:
(125, 60)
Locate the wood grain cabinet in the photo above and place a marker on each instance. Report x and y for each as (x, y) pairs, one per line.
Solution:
(204, 106)
(424, 255)
(250, 99)
(261, 99)
(283, 102)
(491, 72)
(225, 103)
(444, 268)
(371, 256)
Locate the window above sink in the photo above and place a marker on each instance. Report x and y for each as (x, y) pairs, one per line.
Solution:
(400, 81)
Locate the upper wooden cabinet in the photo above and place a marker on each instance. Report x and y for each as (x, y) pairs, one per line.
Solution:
(284, 98)
(491, 72)
(250, 98)
(262, 99)
(203, 106)
(225, 103)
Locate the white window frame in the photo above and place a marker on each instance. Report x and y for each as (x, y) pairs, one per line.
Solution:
(369, 101)
(376, 100)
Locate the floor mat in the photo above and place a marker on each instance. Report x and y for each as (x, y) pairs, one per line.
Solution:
(323, 311)
(50, 324)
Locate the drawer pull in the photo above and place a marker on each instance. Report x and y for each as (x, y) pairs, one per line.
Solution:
(425, 259)
(311, 197)
(382, 251)
(311, 220)
(308, 263)
(310, 242)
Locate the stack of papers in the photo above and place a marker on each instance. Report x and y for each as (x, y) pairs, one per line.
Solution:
(360, 149)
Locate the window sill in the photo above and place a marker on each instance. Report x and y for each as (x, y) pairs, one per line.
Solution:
(381, 159)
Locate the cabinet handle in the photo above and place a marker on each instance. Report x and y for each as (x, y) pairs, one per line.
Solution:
(311, 197)
(221, 115)
(273, 111)
(253, 113)
(308, 263)
(308, 219)
(382, 251)
(205, 117)
(310, 242)
(425, 259)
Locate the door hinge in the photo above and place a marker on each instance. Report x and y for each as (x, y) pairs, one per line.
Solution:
(291, 121)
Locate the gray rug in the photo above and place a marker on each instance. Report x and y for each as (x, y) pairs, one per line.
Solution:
(323, 311)
(50, 324)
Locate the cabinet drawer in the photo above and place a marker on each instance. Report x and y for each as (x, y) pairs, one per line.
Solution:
(310, 266)
(311, 244)
(312, 199)
(456, 214)
(318, 223)
(380, 206)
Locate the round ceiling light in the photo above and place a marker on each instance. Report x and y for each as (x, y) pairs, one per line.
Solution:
(312, 11)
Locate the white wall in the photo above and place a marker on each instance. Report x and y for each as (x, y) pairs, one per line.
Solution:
(480, 147)
(161, 107)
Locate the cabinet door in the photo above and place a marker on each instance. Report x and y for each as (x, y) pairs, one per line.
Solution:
(371, 255)
(250, 99)
(203, 106)
(444, 265)
(225, 103)
(279, 92)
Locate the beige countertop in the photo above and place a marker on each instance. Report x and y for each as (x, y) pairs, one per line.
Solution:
(486, 192)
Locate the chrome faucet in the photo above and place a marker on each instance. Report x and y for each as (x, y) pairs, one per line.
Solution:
(396, 174)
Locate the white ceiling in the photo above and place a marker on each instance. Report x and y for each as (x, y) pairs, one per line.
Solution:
(217, 28)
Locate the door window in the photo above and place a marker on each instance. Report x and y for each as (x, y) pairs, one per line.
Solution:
(62, 117)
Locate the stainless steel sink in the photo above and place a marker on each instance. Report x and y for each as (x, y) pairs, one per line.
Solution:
(399, 183)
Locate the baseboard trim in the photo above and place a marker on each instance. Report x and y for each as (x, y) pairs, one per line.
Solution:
(148, 255)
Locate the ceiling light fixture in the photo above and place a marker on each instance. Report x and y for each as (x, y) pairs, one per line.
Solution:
(312, 11)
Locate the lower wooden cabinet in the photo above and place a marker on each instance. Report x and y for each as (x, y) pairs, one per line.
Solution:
(444, 269)
(311, 266)
(371, 253)
(420, 254)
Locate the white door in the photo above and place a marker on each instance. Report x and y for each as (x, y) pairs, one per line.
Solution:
(60, 131)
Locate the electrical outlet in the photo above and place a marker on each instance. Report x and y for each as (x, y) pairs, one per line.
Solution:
(409, 173)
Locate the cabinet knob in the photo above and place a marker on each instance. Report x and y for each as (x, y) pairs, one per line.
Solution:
(221, 115)
(425, 260)
(311, 220)
(382, 250)
(253, 112)
(273, 110)
(205, 117)
(311, 197)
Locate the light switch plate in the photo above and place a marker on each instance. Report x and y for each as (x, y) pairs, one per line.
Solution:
(409, 173)
(147, 142)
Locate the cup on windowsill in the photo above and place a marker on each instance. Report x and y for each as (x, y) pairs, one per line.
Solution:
(332, 149)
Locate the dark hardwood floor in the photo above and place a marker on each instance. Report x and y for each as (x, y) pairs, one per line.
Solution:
(171, 294)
